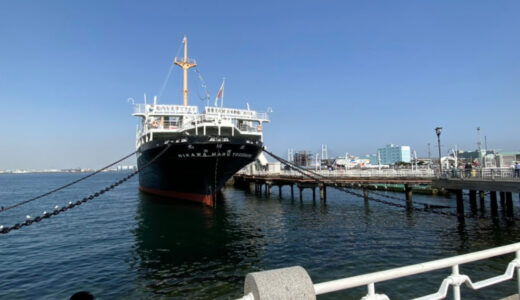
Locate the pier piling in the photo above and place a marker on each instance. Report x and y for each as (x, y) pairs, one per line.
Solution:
(460, 202)
(323, 193)
(473, 201)
(509, 204)
(493, 200)
(365, 192)
(408, 192)
(482, 197)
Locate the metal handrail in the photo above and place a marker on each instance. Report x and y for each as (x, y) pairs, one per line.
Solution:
(385, 173)
(455, 279)
(480, 173)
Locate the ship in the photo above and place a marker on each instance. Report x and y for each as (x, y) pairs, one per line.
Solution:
(186, 155)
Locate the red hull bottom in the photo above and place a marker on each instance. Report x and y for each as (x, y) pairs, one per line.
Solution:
(200, 198)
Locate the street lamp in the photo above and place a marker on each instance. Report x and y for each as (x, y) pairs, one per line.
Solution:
(438, 131)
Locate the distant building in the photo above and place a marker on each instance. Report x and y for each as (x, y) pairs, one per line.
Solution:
(392, 154)
(507, 159)
(303, 158)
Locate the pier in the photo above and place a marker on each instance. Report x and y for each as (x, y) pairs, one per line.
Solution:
(498, 183)
(495, 182)
(364, 179)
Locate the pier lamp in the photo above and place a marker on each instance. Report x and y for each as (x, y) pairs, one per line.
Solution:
(438, 131)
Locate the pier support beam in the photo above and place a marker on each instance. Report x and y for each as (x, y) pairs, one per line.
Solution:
(365, 192)
(473, 201)
(323, 193)
(460, 202)
(482, 197)
(509, 204)
(280, 190)
(292, 191)
(502, 200)
(408, 192)
(313, 194)
(493, 204)
(301, 193)
(269, 189)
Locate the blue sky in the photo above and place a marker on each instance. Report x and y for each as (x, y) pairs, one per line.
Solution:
(355, 75)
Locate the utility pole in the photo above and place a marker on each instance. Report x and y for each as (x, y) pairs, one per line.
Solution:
(438, 131)
(479, 143)
(429, 156)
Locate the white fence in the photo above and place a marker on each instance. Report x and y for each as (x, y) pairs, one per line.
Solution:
(454, 280)
(354, 173)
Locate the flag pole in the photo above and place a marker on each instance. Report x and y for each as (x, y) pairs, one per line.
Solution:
(222, 100)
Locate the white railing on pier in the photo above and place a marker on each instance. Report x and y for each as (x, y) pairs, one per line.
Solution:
(353, 173)
(481, 173)
(456, 279)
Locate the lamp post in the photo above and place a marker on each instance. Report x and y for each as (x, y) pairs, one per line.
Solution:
(438, 131)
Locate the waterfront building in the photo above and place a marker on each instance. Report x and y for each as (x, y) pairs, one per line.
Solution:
(507, 159)
(303, 158)
(392, 154)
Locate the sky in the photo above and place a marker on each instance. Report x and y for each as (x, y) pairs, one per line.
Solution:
(354, 75)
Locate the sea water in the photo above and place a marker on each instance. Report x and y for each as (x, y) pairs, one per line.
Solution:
(129, 245)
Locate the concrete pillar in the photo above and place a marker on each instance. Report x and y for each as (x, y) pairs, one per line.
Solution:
(482, 197)
(473, 201)
(269, 189)
(280, 190)
(323, 193)
(502, 199)
(493, 203)
(460, 202)
(286, 283)
(301, 192)
(251, 186)
(509, 204)
(292, 191)
(313, 193)
(365, 193)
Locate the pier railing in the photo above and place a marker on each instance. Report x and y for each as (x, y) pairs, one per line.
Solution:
(353, 173)
(481, 173)
(295, 283)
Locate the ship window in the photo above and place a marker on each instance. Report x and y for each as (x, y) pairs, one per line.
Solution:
(172, 120)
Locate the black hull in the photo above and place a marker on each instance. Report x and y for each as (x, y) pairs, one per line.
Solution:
(193, 168)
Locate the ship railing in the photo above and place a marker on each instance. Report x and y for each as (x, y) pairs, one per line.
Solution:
(163, 109)
(480, 173)
(247, 128)
(295, 283)
(234, 113)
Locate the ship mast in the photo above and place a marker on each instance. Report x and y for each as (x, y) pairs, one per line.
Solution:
(185, 63)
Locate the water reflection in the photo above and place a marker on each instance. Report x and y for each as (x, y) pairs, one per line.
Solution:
(186, 249)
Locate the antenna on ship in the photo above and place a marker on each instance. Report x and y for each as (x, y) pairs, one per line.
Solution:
(186, 64)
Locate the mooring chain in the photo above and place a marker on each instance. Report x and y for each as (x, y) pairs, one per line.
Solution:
(343, 189)
(426, 205)
(57, 210)
(2, 209)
